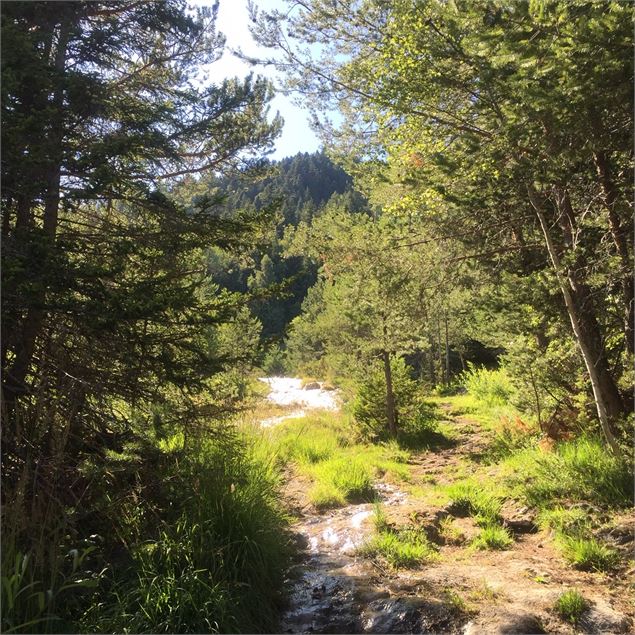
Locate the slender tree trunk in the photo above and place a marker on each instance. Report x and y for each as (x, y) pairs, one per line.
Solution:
(621, 241)
(606, 395)
(391, 411)
(447, 352)
(431, 356)
(15, 377)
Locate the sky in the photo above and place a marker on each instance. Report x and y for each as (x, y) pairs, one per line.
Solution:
(233, 21)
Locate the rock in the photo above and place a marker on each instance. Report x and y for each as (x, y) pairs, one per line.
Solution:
(601, 618)
(520, 521)
(400, 615)
(312, 385)
(505, 623)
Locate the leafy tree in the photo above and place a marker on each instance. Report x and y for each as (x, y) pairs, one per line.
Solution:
(519, 116)
(376, 299)
(110, 322)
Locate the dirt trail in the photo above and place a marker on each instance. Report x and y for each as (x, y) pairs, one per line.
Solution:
(334, 590)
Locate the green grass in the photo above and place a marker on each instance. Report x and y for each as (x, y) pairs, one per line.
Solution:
(470, 497)
(588, 554)
(341, 480)
(327, 448)
(579, 470)
(570, 606)
(564, 520)
(493, 537)
(406, 548)
(214, 561)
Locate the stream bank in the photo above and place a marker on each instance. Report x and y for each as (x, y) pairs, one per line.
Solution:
(334, 589)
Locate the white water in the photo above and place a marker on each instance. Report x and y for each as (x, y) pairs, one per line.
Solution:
(288, 391)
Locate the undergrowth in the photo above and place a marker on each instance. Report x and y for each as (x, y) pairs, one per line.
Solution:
(198, 545)
(405, 547)
(328, 449)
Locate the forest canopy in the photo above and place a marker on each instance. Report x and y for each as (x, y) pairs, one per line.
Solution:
(466, 226)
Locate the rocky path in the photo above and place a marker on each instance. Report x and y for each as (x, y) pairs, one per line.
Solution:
(335, 590)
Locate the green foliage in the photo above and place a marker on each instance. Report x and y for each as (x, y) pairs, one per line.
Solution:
(274, 362)
(470, 496)
(570, 605)
(511, 173)
(491, 387)
(588, 554)
(405, 548)
(493, 537)
(578, 470)
(218, 566)
(29, 605)
(369, 408)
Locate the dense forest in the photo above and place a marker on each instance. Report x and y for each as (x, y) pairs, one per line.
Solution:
(383, 387)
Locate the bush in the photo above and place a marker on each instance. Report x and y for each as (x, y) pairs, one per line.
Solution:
(369, 408)
(490, 387)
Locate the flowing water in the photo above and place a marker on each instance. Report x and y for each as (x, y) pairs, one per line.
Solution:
(333, 590)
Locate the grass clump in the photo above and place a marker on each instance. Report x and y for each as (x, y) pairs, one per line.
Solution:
(469, 497)
(400, 548)
(570, 605)
(339, 480)
(588, 554)
(578, 470)
(407, 548)
(493, 537)
(563, 520)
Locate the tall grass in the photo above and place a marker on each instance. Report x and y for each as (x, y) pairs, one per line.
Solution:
(328, 448)
(578, 470)
(220, 566)
(187, 539)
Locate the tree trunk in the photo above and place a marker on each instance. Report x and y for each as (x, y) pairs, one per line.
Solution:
(15, 377)
(391, 411)
(621, 241)
(431, 358)
(447, 352)
(586, 331)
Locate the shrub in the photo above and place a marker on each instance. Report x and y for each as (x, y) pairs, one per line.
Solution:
(369, 408)
(490, 387)
(570, 605)
(274, 362)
